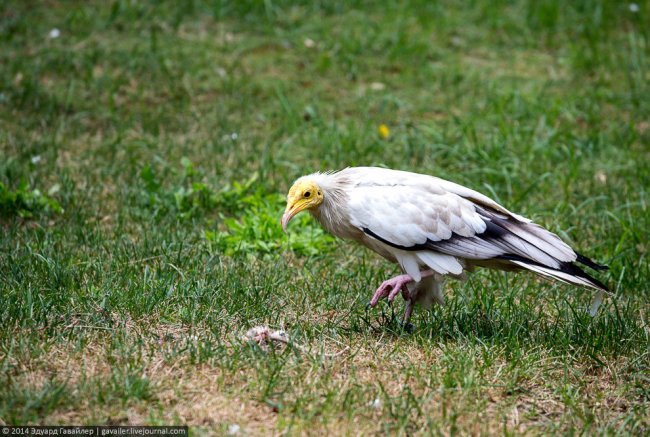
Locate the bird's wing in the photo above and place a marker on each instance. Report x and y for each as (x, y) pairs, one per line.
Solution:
(439, 228)
(405, 220)
(436, 210)
(408, 217)
(375, 176)
(422, 220)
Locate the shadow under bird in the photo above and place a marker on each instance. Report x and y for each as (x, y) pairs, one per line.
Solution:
(432, 228)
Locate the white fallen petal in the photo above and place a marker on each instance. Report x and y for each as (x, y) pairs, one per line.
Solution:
(309, 43)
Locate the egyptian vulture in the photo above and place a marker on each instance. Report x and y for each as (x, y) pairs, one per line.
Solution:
(432, 228)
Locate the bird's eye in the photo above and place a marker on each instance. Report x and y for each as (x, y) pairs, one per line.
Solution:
(307, 194)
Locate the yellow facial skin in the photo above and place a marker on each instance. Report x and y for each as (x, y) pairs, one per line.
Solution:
(304, 194)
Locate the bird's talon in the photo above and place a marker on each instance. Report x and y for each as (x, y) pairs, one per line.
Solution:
(407, 327)
(369, 306)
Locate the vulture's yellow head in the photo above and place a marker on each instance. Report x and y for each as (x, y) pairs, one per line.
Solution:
(304, 194)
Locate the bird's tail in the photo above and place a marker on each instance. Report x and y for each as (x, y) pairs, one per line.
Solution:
(568, 273)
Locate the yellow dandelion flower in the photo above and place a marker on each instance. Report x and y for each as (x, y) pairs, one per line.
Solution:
(383, 131)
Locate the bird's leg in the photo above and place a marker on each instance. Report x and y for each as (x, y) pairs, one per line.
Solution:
(409, 297)
(392, 287)
(407, 312)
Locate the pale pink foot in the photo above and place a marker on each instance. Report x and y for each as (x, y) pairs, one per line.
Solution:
(391, 288)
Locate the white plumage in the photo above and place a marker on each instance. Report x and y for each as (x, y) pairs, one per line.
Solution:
(431, 227)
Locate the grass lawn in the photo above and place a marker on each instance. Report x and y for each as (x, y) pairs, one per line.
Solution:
(145, 150)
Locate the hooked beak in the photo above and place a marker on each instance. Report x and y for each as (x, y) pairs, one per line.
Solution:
(293, 208)
(291, 211)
